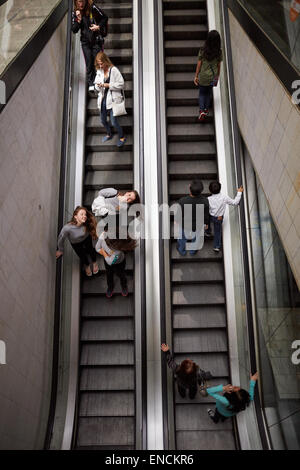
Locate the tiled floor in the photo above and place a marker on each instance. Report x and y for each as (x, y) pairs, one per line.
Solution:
(19, 20)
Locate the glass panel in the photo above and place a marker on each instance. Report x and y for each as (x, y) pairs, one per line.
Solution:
(19, 20)
(278, 320)
(280, 20)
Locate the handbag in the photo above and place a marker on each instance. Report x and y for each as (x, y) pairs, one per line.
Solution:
(215, 80)
(119, 108)
(203, 388)
(204, 383)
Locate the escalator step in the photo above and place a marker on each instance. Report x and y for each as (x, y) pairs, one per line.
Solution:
(106, 431)
(98, 285)
(206, 253)
(180, 80)
(102, 307)
(119, 56)
(118, 10)
(107, 378)
(94, 144)
(109, 161)
(183, 48)
(107, 404)
(118, 41)
(191, 150)
(204, 340)
(190, 133)
(185, 115)
(109, 179)
(181, 64)
(116, 329)
(180, 4)
(203, 169)
(205, 440)
(185, 32)
(195, 16)
(183, 97)
(94, 126)
(195, 418)
(107, 354)
(119, 25)
(198, 295)
(199, 317)
(194, 273)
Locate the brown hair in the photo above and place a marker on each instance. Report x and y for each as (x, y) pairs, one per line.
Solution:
(103, 57)
(87, 8)
(187, 371)
(122, 245)
(137, 199)
(90, 223)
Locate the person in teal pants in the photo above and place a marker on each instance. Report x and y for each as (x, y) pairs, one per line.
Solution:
(234, 400)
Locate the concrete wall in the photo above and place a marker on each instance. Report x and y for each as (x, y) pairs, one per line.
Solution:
(270, 126)
(30, 141)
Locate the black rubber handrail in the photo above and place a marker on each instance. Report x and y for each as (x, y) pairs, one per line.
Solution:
(21, 64)
(246, 262)
(61, 208)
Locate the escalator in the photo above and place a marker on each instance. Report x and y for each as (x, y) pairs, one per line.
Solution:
(106, 392)
(199, 326)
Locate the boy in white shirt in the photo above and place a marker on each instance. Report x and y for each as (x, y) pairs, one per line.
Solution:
(217, 206)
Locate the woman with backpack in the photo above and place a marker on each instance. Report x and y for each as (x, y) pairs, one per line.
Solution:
(188, 374)
(208, 71)
(91, 21)
(233, 400)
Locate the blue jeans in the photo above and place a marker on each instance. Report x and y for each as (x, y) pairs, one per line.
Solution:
(205, 96)
(217, 231)
(181, 242)
(113, 120)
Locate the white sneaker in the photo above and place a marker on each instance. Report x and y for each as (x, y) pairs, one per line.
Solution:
(217, 250)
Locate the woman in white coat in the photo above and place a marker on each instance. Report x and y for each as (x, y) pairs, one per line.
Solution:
(109, 83)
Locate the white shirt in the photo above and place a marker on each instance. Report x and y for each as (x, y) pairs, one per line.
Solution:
(218, 202)
(116, 85)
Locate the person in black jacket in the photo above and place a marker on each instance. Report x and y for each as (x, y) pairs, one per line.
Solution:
(192, 231)
(92, 23)
(188, 374)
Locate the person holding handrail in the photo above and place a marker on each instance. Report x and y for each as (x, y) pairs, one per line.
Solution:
(80, 231)
(233, 400)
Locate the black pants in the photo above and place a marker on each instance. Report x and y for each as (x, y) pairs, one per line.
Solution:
(85, 248)
(90, 52)
(192, 390)
(119, 270)
(218, 417)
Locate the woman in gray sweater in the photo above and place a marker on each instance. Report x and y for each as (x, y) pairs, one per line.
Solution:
(109, 201)
(80, 232)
